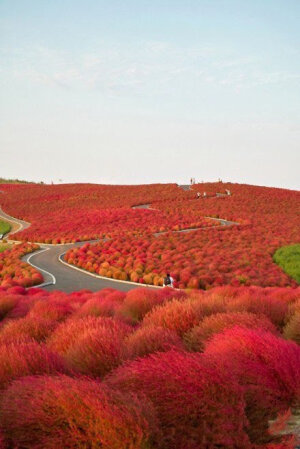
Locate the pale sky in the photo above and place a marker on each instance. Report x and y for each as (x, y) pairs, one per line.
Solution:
(140, 91)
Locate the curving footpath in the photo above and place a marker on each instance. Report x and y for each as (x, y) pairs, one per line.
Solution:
(58, 275)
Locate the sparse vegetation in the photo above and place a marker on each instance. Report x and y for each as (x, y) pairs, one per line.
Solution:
(15, 181)
(4, 247)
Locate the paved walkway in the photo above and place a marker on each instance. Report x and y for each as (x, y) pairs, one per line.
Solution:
(60, 276)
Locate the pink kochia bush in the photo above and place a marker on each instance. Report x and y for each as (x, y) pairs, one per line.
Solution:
(61, 412)
(196, 404)
(90, 345)
(268, 368)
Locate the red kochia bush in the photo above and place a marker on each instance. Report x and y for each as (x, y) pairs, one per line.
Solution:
(176, 315)
(138, 302)
(267, 366)
(271, 306)
(61, 412)
(98, 306)
(27, 328)
(196, 404)
(7, 303)
(23, 359)
(147, 340)
(214, 324)
(90, 345)
(56, 309)
(181, 315)
(67, 333)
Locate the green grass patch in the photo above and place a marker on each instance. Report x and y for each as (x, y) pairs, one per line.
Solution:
(4, 227)
(288, 257)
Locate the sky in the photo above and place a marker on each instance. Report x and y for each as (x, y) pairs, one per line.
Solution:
(142, 91)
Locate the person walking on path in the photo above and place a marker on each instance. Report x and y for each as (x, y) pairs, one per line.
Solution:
(168, 281)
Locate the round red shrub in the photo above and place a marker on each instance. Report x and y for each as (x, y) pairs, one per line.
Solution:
(195, 339)
(138, 302)
(98, 351)
(90, 345)
(7, 303)
(67, 333)
(176, 315)
(196, 404)
(23, 359)
(61, 412)
(27, 328)
(99, 306)
(147, 340)
(272, 307)
(56, 309)
(17, 290)
(22, 307)
(115, 296)
(267, 366)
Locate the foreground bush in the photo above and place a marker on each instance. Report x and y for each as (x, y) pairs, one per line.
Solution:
(178, 316)
(196, 404)
(266, 366)
(138, 302)
(195, 339)
(7, 303)
(90, 345)
(27, 328)
(147, 340)
(24, 359)
(261, 303)
(58, 309)
(61, 412)
(223, 398)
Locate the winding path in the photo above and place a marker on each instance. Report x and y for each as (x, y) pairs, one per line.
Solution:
(58, 275)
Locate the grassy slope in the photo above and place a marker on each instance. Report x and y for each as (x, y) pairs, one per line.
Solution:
(4, 227)
(288, 257)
